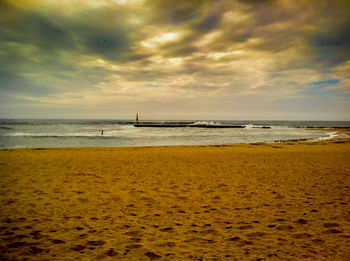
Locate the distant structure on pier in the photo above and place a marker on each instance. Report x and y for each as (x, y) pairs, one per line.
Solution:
(137, 119)
(181, 125)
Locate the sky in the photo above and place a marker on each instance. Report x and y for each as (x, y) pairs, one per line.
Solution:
(175, 59)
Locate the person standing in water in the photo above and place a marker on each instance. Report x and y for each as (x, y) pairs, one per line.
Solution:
(102, 132)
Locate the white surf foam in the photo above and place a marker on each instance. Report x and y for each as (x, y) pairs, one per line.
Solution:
(205, 123)
(334, 135)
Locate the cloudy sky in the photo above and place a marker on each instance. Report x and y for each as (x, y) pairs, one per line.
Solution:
(172, 59)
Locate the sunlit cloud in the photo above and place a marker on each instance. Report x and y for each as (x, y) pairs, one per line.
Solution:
(159, 39)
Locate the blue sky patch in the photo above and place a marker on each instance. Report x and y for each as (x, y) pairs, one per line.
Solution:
(326, 82)
(152, 85)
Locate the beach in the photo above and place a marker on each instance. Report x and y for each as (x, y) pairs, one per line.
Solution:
(286, 201)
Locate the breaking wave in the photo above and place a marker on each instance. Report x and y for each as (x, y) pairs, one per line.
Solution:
(205, 123)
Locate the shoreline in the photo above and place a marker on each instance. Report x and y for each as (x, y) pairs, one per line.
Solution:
(343, 131)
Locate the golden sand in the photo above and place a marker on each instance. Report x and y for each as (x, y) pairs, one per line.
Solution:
(280, 201)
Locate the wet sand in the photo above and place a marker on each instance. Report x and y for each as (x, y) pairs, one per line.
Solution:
(240, 202)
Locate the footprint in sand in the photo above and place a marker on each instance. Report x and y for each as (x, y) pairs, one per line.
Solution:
(329, 225)
(78, 248)
(284, 227)
(111, 252)
(301, 221)
(234, 239)
(279, 197)
(196, 240)
(17, 244)
(301, 235)
(133, 233)
(35, 250)
(280, 219)
(318, 241)
(133, 246)
(36, 234)
(135, 239)
(115, 198)
(167, 244)
(245, 227)
(148, 200)
(58, 241)
(96, 243)
(8, 233)
(209, 231)
(256, 234)
(167, 229)
(241, 241)
(332, 231)
(152, 256)
(83, 200)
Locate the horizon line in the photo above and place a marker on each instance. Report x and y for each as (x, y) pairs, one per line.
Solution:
(129, 119)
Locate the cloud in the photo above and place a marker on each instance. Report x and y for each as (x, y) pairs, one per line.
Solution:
(208, 23)
(213, 56)
(43, 51)
(332, 45)
(176, 12)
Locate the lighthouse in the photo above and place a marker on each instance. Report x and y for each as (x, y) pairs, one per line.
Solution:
(137, 119)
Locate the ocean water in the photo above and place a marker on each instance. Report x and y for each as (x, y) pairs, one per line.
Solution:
(120, 133)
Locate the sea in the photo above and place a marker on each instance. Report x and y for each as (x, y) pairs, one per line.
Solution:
(16, 133)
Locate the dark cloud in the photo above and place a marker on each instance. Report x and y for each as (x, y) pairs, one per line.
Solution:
(41, 51)
(4, 5)
(97, 33)
(35, 72)
(177, 12)
(332, 46)
(34, 28)
(209, 22)
(44, 32)
(111, 44)
(52, 75)
(201, 24)
(271, 11)
(12, 83)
